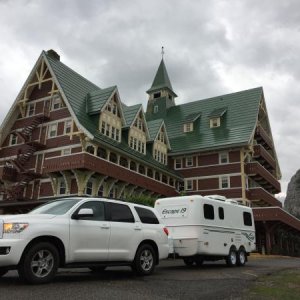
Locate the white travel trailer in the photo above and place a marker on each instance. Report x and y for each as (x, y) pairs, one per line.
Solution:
(208, 228)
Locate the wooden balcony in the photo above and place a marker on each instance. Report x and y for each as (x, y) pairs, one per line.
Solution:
(263, 177)
(8, 174)
(261, 197)
(263, 138)
(85, 161)
(264, 157)
(276, 214)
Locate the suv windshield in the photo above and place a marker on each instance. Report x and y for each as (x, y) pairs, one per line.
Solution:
(57, 207)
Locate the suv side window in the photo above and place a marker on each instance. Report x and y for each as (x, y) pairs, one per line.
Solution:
(120, 213)
(98, 210)
(146, 215)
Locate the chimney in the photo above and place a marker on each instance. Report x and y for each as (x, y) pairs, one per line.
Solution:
(53, 54)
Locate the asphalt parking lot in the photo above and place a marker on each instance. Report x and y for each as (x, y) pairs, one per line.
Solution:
(171, 280)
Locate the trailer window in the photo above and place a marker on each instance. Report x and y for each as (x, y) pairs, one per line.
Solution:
(208, 211)
(247, 219)
(221, 213)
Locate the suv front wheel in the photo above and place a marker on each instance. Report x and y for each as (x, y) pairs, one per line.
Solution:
(39, 263)
(144, 261)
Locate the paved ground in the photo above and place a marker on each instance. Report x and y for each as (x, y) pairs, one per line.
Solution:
(171, 280)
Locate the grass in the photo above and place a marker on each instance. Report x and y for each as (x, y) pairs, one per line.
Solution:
(284, 285)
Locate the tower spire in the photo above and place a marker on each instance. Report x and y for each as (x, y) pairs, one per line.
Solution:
(162, 52)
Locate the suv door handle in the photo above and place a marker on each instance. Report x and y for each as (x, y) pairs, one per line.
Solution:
(137, 227)
(105, 226)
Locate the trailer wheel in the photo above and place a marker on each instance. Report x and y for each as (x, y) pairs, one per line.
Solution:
(199, 261)
(241, 257)
(188, 261)
(3, 271)
(231, 259)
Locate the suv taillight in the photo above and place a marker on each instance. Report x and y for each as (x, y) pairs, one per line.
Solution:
(166, 231)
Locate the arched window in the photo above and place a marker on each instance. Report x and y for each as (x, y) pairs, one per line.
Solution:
(90, 149)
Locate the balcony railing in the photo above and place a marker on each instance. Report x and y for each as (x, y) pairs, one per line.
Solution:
(263, 176)
(264, 197)
(265, 137)
(9, 174)
(107, 168)
(261, 152)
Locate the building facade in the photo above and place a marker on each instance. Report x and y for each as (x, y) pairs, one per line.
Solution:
(65, 136)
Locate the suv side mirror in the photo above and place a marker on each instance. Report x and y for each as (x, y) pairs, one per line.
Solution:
(83, 213)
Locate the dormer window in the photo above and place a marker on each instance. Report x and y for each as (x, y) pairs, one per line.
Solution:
(215, 122)
(188, 127)
(157, 95)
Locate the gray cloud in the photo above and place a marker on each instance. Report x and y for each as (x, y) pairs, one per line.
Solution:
(211, 48)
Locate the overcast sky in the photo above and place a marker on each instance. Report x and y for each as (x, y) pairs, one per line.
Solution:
(211, 48)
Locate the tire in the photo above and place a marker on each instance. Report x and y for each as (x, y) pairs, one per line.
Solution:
(241, 257)
(39, 263)
(3, 271)
(199, 261)
(188, 261)
(97, 269)
(144, 261)
(231, 259)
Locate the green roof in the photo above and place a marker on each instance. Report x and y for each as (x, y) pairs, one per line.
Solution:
(192, 117)
(130, 112)
(154, 126)
(161, 79)
(237, 125)
(97, 98)
(218, 112)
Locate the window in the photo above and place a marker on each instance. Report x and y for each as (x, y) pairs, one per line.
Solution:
(13, 140)
(139, 146)
(89, 187)
(189, 161)
(189, 185)
(178, 163)
(117, 134)
(103, 127)
(247, 219)
(66, 151)
(30, 109)
(156, 95)
(188, 127)
(146, 215)
(52, 130)
(62, 187)
(208, 212)
(100, 191)
(131, 142)
(215, 122)
(56, 102)
(221, 213)
(90, 149)
(113, 132)
(114, 109)
(98, 210)
(155, 109)
(223, 158)
(68, 126)
(224, 182)
(107, 129)
(120, 213)
(134, 143)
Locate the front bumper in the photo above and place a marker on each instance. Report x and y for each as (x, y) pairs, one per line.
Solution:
(16, 248)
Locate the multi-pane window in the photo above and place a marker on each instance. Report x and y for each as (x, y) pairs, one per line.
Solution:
(62, 187)
(215, 122)
(187, 127)
(56, 102)
(189, 161)
(113, 132)
(30, 109)
(117, 134)
(103, 127)
(52, 130)
(100, 191)
(66, 151)
(89, 187)
(224, 182)
(189, 185)
(223, 158)
(178, 163)
(110, 131)
(68, 126)
(12, 140)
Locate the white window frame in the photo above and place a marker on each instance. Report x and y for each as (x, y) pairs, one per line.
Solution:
(62, 185)
(227, 178)
(30, 109)
(68, 125)
(189, 161)
(56, 100)
(66, 151)
(189, 185)
(223, 155)
(175, 163)
(49, 130)
(215, 122)
(13, 140)
(188, 127)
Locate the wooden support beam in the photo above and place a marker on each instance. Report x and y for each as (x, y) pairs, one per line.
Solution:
(82, 177)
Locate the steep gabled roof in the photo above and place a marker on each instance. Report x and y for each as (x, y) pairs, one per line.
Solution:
(218, 112)
(237, 125)
(154, 126)
(97, 98)
(130, 113)
(161, 79)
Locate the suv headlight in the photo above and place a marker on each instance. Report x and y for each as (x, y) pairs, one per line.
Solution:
(14, 227)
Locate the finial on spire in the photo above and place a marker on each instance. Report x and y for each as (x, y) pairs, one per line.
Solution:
(162, 52)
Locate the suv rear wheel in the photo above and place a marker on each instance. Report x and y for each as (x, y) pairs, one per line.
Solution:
(39, 264)
(144, 261)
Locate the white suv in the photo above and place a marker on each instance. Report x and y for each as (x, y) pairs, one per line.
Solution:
(81, 232)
